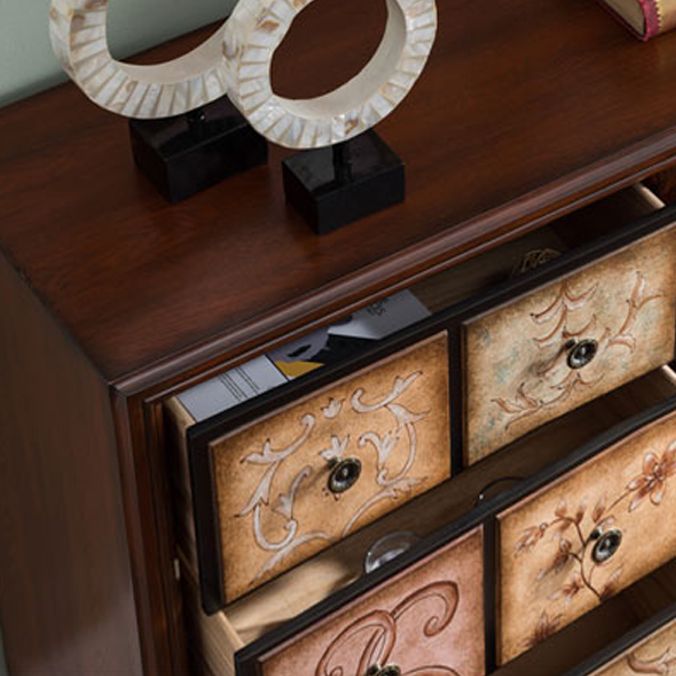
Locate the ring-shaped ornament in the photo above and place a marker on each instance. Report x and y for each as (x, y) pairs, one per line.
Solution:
(78, 33)
(237, 61)
(257, 28)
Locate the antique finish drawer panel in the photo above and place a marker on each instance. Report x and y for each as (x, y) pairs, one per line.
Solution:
(271, 493)
(532, 358)
(587, 535)
(428, 619)
(656, 654)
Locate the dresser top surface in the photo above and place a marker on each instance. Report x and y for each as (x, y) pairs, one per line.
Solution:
(527, 109)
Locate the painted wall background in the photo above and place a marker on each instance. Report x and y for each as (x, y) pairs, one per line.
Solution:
(27, 64)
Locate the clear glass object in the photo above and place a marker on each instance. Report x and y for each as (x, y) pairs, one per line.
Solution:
(388, 548)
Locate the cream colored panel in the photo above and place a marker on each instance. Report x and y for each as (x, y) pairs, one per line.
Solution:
(587, 536)
(275, 502)
(517, 369)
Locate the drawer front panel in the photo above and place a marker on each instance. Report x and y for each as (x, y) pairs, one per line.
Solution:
(426, 620)
(545, 353)
(590, 534)
(289, 485)
(654, 655)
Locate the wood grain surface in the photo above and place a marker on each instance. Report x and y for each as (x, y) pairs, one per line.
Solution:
(493, 146)
(67, 603)
(156, 295)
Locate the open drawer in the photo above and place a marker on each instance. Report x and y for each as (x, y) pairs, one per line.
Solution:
(648, 649)
(269, 483)
(446, 602)
(273, 488)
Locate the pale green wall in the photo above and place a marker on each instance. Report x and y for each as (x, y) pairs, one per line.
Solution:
(27, 64)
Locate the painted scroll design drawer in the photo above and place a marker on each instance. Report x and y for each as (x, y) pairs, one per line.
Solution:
(587, 536)
(654, 655)
(428, 619)
(290, 484)
(556, 348)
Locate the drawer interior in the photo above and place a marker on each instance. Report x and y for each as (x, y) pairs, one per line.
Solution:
(444, 289)
(219, 636)
(593, 632)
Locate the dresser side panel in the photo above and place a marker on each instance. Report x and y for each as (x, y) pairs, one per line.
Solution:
(66, 596)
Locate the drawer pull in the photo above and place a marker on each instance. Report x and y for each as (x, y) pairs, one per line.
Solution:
(607, 544)
(387, 548)
(344, 475)
(533, 260)
(389, 670)
(484, 494)
(581, 353)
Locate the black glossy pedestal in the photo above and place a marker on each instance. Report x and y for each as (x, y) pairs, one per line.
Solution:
(186, 154)
(334, 186)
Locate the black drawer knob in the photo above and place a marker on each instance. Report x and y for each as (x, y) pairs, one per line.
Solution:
(344, 475)
(607, 544)
(582, 353)
(389, 670)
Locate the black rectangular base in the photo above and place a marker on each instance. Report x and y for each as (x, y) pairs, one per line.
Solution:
(186, 154)
(375, 180)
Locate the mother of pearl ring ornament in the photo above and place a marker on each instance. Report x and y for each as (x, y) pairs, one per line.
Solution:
(236, 62)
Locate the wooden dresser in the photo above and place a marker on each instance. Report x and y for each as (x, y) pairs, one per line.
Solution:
(530, 126)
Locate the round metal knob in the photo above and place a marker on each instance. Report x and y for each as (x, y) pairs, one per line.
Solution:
(582, 353)
(344, 475)
(389, 670)
(607, 545)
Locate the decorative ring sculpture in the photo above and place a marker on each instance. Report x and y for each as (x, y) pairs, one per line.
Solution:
(236, 61)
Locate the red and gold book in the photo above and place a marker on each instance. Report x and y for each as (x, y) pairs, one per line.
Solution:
(645, 18)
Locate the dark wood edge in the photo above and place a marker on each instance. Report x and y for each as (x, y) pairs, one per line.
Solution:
(419, 261)
(200, 436)
(512, 290)
(490, 584)
(207, 531)
(159, 462)
(631, 638)
(135, 481)
(248, 659)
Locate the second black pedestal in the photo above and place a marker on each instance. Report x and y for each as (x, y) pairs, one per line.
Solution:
(334, 186)
(186, 154)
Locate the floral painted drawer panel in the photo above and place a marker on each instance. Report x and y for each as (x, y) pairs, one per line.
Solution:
(290, 484)
(539, 356)
(654, 655)
(591, 533)
(426, 620)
